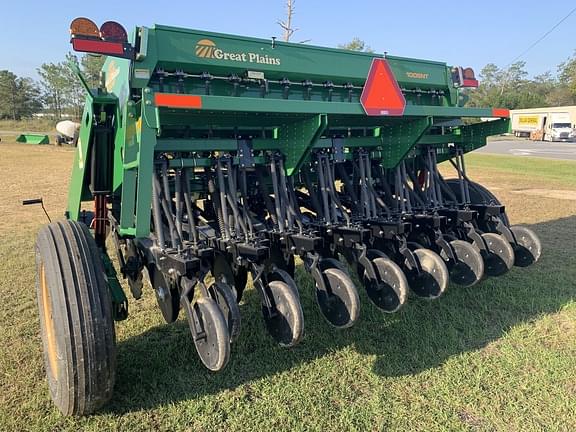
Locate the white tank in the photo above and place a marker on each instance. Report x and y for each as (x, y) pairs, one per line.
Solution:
(67, 128)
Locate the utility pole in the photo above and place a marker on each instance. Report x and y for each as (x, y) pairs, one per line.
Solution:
(287, 25)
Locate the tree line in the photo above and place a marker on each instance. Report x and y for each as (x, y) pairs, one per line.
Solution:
(58, 92)
(511, 88)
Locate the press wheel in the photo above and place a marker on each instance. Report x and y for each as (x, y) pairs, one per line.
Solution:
(341, 305)
(222, 294)
(469, 266)
(499, 258)
(432, 281)
(286, 324)
(528, 248)
(390, 290)
(212, 340)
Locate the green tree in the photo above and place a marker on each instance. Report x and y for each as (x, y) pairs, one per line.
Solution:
(509, 88)
(53, 82)
(356, 44)
(567, 79)
(91, 67)
(73, 91)
(19, 97)
(63, 92)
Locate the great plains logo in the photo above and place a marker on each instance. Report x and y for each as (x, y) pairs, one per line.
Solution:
(205, 48)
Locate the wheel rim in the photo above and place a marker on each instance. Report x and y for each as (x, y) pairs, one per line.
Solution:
(49, 327)
(389, 292)
(499, 258)
(341, 305)
(287, 325)
(469, 266)
(333, 262)
(213, 344)
(432, 281)
(528, 248)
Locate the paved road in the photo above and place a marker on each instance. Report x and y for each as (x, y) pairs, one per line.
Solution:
(545, 149)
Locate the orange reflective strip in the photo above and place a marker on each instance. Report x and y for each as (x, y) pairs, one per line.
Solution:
(177, 100)
(500, 112)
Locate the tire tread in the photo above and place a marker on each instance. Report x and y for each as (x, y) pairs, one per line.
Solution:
(81, 307)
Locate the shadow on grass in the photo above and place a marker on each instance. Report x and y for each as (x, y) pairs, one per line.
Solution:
(161, 367)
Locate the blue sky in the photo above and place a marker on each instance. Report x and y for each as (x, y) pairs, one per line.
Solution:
(466, 33)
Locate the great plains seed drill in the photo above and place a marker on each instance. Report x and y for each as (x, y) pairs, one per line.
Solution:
(207, 157)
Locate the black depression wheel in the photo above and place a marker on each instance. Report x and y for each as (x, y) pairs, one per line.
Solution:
(340, 306)
(286, 325)
(478, 195)
(432, 281)
(390, 291)
(282, 261)
(237, 279)
(481, 195)
(499, 258)
(283, 276)
(223, 295)
(212, 340)
(528, 248)
(167, 295)
(469, 266)
(76, 320)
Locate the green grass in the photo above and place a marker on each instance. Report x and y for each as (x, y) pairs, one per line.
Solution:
(528, 167)
(498, 356)
(29, 125)
(15, 128)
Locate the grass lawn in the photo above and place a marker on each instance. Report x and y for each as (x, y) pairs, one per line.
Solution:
(497, 356)
(10, 129)
(29, 125)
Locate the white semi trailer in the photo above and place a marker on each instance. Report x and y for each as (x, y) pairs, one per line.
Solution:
(547, 124)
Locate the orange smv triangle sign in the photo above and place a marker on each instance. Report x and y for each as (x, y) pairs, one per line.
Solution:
(382, 95)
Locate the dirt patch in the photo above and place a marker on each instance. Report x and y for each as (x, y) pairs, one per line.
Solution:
(569, 195)
(32, 172)
(472, 421)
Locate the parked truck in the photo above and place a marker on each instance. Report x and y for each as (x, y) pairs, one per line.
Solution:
(546, 124)
(559, 127)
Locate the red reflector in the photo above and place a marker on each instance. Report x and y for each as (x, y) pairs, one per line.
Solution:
(500, 112)
(470, 83)
(113, 32)
(97, 46)
(177, 100)
(381, 95)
